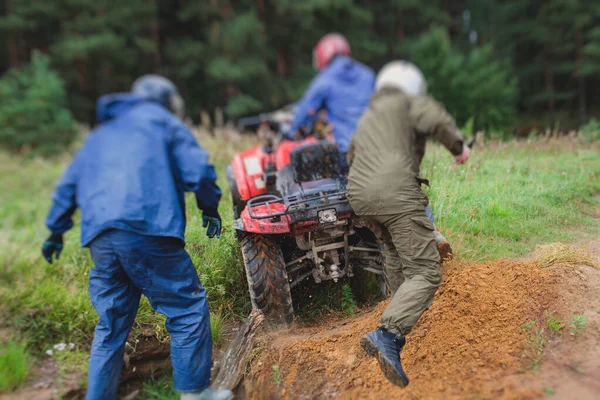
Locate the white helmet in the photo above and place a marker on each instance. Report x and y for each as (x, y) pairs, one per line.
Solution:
(402, 75)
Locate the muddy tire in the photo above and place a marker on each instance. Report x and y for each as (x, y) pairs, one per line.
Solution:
(267, 279)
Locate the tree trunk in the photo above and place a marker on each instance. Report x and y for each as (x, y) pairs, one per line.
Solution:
(155, 34)
(581, 80)
(13, 49)
(260, 6)
(549, 78)
(281, 62)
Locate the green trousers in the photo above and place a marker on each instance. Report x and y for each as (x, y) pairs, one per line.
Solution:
(412, 264)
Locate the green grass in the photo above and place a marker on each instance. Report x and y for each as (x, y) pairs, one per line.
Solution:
(159, 389)
(217, 329)
(15, 362)
(509, 198)
(512, 196)
(348, 301)
(49, 303)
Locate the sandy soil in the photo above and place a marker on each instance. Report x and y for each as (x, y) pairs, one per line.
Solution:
(471, 344)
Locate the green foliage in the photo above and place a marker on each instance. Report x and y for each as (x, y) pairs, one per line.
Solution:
(159, 389)
(549, 391)
(217, 329)
(578, 324)
(348, 301)
(33, 111)
(249, 56)
(553, 323)
(473, 86)
(49, 303)
(14, 365)
(591, 131)
(276, 374)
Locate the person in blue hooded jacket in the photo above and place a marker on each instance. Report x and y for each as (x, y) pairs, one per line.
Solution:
(342, 88)
(128, 180)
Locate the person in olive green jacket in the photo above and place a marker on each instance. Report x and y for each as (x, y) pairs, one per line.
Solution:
(383, 188)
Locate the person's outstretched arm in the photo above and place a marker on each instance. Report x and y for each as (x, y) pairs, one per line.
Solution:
(431, 118)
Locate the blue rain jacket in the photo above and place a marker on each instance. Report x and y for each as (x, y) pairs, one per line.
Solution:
(132, 172)
(343, 89)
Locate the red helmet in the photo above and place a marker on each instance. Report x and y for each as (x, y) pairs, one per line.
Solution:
(329, 46)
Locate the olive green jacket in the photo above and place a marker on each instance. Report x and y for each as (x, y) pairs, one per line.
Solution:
(387, 148)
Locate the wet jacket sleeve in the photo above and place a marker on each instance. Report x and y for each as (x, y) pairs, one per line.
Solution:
(60, 217)
(196, 173)
(431, 118)
(307, 108)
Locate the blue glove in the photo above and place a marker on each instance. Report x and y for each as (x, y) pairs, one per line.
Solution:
(212, 219)
(52, 246)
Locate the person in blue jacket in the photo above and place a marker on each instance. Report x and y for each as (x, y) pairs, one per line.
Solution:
(128, 180)
(342, 88)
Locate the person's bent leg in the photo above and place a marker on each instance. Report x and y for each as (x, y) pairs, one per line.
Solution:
(116, 300)
(175, 290)
(393, 264)
(412, 233)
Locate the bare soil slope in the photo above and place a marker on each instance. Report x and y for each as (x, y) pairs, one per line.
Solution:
(471, 344)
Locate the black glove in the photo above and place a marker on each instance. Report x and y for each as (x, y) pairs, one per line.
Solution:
(52, 246)
(212, 219)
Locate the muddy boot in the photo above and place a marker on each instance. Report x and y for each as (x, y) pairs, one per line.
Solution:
(386, 347)
(443, 246)
(208, 394)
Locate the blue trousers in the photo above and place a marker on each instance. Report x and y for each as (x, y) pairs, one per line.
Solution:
(128, 265)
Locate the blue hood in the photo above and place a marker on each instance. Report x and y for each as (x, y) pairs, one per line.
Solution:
(345, 69)
(112, 105)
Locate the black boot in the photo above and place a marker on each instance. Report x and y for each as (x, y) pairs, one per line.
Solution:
(386, 347)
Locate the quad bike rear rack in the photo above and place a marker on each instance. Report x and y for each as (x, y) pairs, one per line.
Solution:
(302, 202)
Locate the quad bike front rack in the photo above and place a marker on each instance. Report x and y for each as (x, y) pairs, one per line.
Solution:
(273, 206)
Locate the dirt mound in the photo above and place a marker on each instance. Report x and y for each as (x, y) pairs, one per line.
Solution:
(463, 347)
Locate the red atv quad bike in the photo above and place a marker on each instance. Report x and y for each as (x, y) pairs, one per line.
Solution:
(294, 221)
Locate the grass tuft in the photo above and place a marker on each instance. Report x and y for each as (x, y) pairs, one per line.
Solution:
(15, 362)
(348, 301)
(276, 374)
(578, 324)
(553, 323)
(217, 329)
(535, 341)
(559, 253)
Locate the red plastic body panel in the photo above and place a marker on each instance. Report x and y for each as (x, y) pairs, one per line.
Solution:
(265, 226)
(248, 168)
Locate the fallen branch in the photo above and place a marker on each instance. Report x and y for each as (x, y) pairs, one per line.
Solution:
(233, 363)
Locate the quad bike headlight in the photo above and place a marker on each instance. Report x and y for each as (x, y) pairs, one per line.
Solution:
(328, 216)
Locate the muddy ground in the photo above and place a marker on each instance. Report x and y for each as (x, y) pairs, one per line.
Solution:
(485, 337)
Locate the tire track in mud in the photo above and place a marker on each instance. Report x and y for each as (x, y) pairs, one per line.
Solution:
(470, 344)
